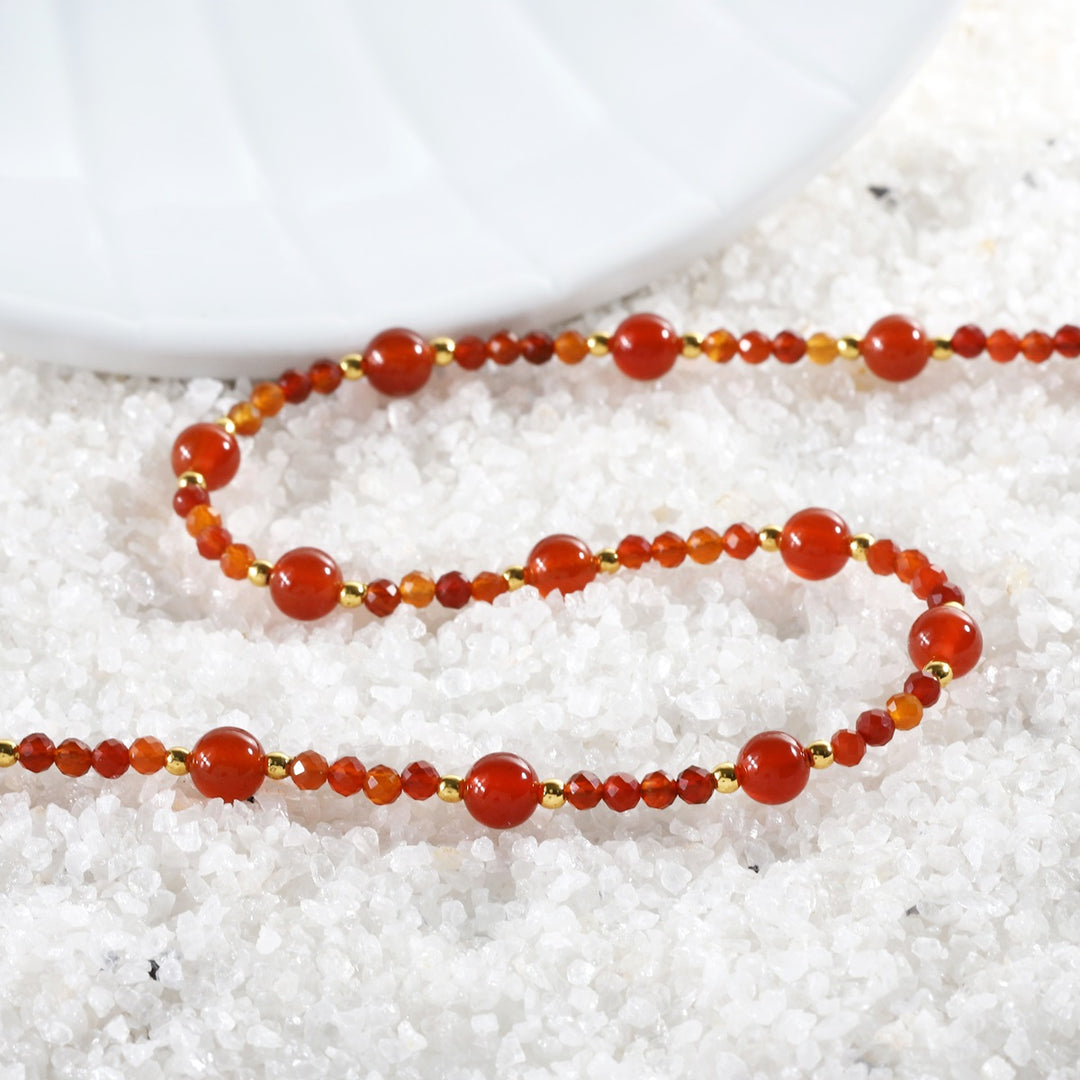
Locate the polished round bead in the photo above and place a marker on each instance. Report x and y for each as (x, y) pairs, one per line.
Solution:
(420, 780)
(398, 362)
(669, 549)
(645, 346)
(346, 776)
(896, 348)
(658, 790)
(187, 498)
(720, 346)
(537, 347)
(503, 348)
(634, 552)
(1002, 346)
(208, 450)
(417, 590)
(268, 398)
(227, 763)
(486, 586)
(924, 687)
(772, 767)
(848, 747)
(382, 785)
(73, 757)
(453, 590)
(147, 755)
(305, 583)
(582, 791)
(111, 758)
(875, 726)
(382, 598)
(815, 544)
(560, 562)
(906, 711)
(695, 784)
(37, 752)
(968, 342)
(788, 348)
(945, 593)
(1037, 346)
(500, 790)
(470, 353)
(1067, 341)
(755, 347)
(325, 376)
(308, 770)
(741, 540)
(945, 633)
(621, 792)
(571, 347)
(295, 386)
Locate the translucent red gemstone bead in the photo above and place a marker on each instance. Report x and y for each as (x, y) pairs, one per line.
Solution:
(945, 593)
(560, 562)
(926, 688)
(621, 792)
(148, 755)
(208, 450)
(968, 342)
(755, 347)
(945, 633)
(227, 763)
(382, 785)
(634, 552)
(308, 770)
(881, 557)
(645, 346)
(848, 747)
(110, 758)
(73, 757)
(669, 549)
(503, 348)
(500, 790)
(582, 790)
(1002, 346)
(896, 348)
(325, 376)
(398, 362)
(187, 498)
(696, 785)
(37, 752)
(420, 780)
(788, 348)
(741, 541)
(1067, 341)
(382, 598)
(772, 767)
(470, 352)
(875, 726)
(1037, 346)
(537, 348)
(453, 590)
(295, 387)
(306, 583)
(815, 543)
(658, 790)
(346, 776)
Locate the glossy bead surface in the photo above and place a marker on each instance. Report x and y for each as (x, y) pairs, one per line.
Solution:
(308, 770)
(200, 517)
(236, 560)
(325, 376)
(73, 757)
(500, 790)
(634, 552)
(968, 341)
(213, 542)
(945, 633)
(420, 780)
(227, 763)
(645, 346)
(696, 785)
(346, 776)
(815, 544)
(453, 590)
(295, 387)
(37, 752)
(417, 590)
(560, 562)
(945, 593)
(669, 549)
(268, 398)
(398, 362)
(848, 747)
(571, 347)
(147, 755)
(741, 540)
(1037, 346)
(382, 598)
(875, 726)
(772, 767)
(896, 348)
(788, 348)
(926, 579)
(621, 792)
(382, 785)
(187, 498)
(208, 450)
(704, 546)
(305, 583)
(503, 348)
(582, 790)
(908, 563)
(720, 346)
(755, 347)
(658, 790)
(486, 586)
(470, 353)
(925, 687)
(537, 347)
(1067, 341)
(110, 758)
(246, 418)
(905, 710)
(881, 557)
(1002, 346)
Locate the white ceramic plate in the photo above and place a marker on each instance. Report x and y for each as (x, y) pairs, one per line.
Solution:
(223, 187)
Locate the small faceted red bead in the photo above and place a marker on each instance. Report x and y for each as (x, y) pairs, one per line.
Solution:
(537, 348)
(704, 545)
(382, 598)
(111, 758)
(148, 755)
(925, 687)
(236, 560)
(382, 785)
(896, 348)
(582, 791)
(645, 346)
(187, 498)
(420, 780)
(1037, 346)
(634, 552)
(945, 593)
(669, 549)
(945, 633)
(295, 386)
(968, 342)
(306, 583)
(815, 543)
(503, 348)
(881, 557)
(346, 776)
(486, 586)
(772, 767)
(696, 785)
(208, 450)
(73, 757)
(788, 348)
(453, 590)
(1003, 346)
(755, 347)
(621, 792)
(927, 578)
(1067, 341)
(36, 752)
(213, 542)
(875, 726)
(741, 541)
(560, 562)
(571, 347)
(227, 763)
(908, 563)
(326, 376)
(308, 770)
(848, 748)
(500, 790)
(470, 352)
(398, 362)
(658, 790)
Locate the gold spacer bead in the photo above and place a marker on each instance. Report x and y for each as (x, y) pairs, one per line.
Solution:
(190, 479)
(726, 778)
(551, 794)
(226, 424)
(938, 669)
(9, 753)
(820, 754)
(769, 538)
(859, 545)
(953, 603)
(514, 576)
(607, 560)
(942, 348)
(352, 366)
(599, 344)
(848, 347)
(692, 345)
(352, 594)
(450, 788)
(277, 765)
(444, 350)
(176, 761)
(259, 573)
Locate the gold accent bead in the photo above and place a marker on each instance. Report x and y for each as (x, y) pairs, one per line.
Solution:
(942, 348)
(820, 754)
(9, 753)
(726, 778)
(277, 765)
(352, 594)
(821, 349)
(352, 366)
(692, 345)
(860, 545)
(551, 794)
(514, 576)
(190, 479)
(769, 538)
(444, 350)
(450, 788)
(938, 669)
(599, 344)
(953, 603)
(607, 560)
(259, 573)
(176, 760)
(848, 347)
(226, 424)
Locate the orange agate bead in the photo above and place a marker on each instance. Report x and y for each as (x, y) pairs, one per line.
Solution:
(560, 562)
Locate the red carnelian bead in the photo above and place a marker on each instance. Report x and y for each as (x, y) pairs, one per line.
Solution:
(1002, 345)
(73, 757)
(213, 542)
(945, 633)
(560, 562)
(925, 687)
(470, 352)
(453, 590)
(755, 347)
(772, 767)
(908, 563)
(658, 790)
(945, 593)
(187, 498)
(906, 711)
(815, 543)
(696, 785)
(645, 346)
(486, 586)
(634, 552)
(500, 790)
(235, 561)
(308, 770)
(968, 342)
(201, 517)
(669, 549)
(147, 755)
(420, 780)
(582, 790)
(398, 362)
(305, 583)
(704, 546)
(227, 763)
(875, 726)
(720, 346)
(537, 347)
(571, 347)
(382, 785)
(326, 376)
(896, 348)
(503, 348)
(296, 387)
(927, 578)
(741, 540)
(110, 758)
(246, 418)
(621, 792)
(417, 590)
(382, 598)
(881, 557)
(268, 398)
(346, 776)
(36, 752)
(208, 450)
(788, 348)
(848, 748)
(1067, 341)
(1037, 346)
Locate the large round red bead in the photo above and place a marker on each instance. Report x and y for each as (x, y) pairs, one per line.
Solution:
(815, 543)
(946, 633)
(772, 767)
(500, 790)
(208, 450)
(398, 362)
(896, 348)
(560, 562)
(645, 346)
(306, 583)
(227, 763)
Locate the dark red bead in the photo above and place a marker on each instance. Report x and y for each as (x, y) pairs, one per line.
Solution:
(755, 347)
(296, 386)
(815, 543)
(110, 758)
(848, 748)
(788, 348)
(560, 562)
(398, 362)
(621, 792)
(36, 752)
(213, 541)
(908, 563)
(1003, 346)
(669, 549)
(187, 498)
(227, 763)
(537, 348)
(326, 376)
(634, 552)
(500, 790)
(382, 598)
(346, 776)
(582, 790)
(945, 593)
(420, 780)
(1037, 346)
(209, 450)
(73, 757)
(1067, 341)
(503, 348)
(926, 580)
(658, 790)
(772, 767)
(896, 348)
(875, 726)
(925, 687)
(305, 583)
(945, 633)
(696, 785)
(881, 557)
(470, 352)
(968, 342)
(453, 590)
(741, 540)
(645, 346)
